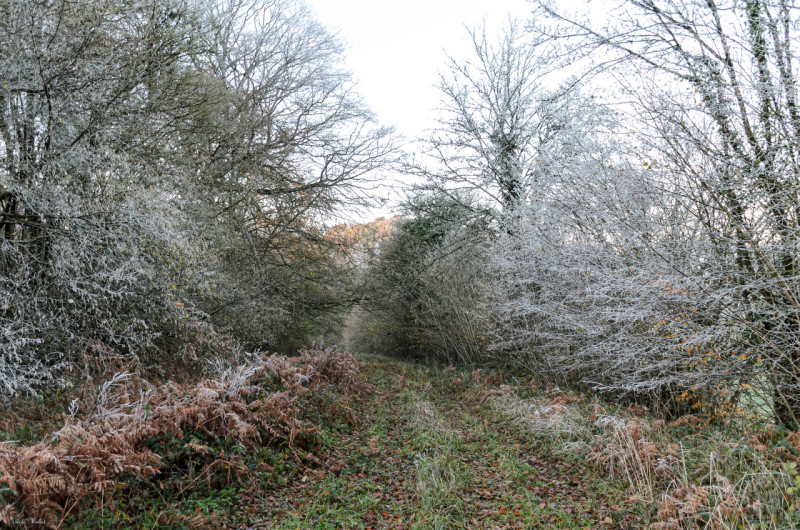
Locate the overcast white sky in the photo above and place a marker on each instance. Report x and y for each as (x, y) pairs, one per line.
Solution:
(395, 48)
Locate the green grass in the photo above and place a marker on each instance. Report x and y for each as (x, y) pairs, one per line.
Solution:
(430, 450)
(440, 460)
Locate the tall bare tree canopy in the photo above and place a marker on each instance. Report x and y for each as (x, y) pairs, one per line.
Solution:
(639, 174)
(166, 166)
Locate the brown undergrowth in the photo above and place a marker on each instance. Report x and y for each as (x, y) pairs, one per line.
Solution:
(686, 474)
(120, 433)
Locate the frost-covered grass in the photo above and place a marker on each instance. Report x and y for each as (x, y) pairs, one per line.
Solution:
(682, 474)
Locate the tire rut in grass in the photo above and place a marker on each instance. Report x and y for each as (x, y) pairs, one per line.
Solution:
(375, 487)
(428, 456)
(511, 487)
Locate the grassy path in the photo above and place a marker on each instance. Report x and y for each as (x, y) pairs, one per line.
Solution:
(428, 453)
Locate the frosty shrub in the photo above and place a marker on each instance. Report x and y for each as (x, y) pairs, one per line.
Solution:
(658, 258)
(165, 170)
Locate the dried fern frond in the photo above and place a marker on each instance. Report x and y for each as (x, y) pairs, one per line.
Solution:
(89, 455)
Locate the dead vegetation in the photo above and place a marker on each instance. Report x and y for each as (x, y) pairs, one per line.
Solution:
(687, 473)
(625, 451)
(257, 403)
(714, 506)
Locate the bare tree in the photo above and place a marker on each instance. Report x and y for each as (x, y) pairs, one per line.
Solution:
(712, 95)
(291, 143)
(168, 164)
(494, 109)
(76, 221)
